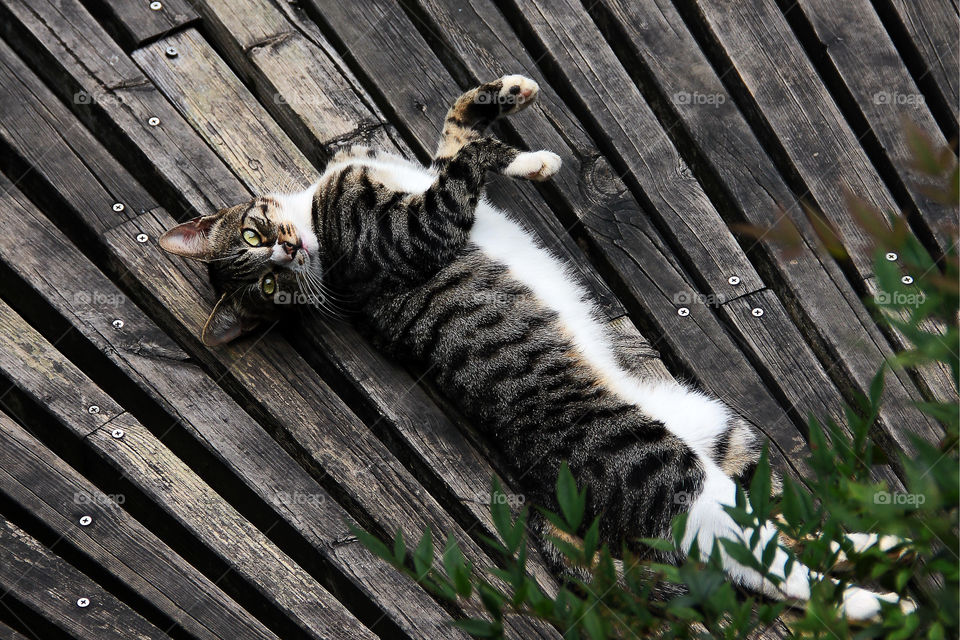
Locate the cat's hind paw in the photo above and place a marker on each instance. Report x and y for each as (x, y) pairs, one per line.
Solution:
(534, 165)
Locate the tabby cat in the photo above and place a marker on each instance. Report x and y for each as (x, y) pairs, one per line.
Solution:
(439, 277)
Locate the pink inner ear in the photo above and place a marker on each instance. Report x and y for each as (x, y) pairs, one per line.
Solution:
(189, 239)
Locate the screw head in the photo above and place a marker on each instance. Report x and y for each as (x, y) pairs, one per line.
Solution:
(757, 312)
(907, 279)
(118, 207)
(156, 6)
(142, 237)
(734, 280)
(117, 434)
(154, 121)
(118, 324)
(172, 52)
(891, 256)
(683, 312)
(83, 603)
(85, 521)
(93, 409)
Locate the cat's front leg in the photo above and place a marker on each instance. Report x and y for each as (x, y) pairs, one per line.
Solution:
(533, 165)
(479, 107)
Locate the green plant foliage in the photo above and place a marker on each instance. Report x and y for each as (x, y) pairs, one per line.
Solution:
(619, 599)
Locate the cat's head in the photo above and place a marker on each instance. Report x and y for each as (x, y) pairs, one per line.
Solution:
(262, 256)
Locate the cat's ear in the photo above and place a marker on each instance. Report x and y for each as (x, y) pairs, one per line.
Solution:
(190, 239)
(226, 323)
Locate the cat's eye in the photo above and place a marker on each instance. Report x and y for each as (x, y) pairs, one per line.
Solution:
(269, 285)
(251, 237)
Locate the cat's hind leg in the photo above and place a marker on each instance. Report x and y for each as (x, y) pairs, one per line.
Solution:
(708, 522)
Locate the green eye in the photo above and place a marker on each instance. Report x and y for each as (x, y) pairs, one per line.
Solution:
(251, 237)
(268, 285)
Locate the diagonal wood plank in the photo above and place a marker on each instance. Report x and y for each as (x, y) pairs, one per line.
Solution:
(33, 367)
(849, 41)
(41, 483)
(34, 576)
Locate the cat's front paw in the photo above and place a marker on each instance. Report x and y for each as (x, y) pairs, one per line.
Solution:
(534, 165)
(517, 92)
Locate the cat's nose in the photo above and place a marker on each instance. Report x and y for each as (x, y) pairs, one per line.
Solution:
(290, 248)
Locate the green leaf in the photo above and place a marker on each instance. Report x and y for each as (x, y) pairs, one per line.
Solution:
(572, 503)
(423, 554)
(456, 567)
(399, 548)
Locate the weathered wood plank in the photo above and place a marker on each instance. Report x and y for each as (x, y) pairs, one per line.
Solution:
(297, 76)
(365, 472)
(849, 38)
(655, 43)
(90, 72)
(54, 493)
(43, 582)
(36, 370)
(785, 98)
(403, 88)
(6, 633)
(75, 290)
(932, 27)
(133, 22)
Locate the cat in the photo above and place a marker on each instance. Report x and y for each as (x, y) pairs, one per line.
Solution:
(439, 277)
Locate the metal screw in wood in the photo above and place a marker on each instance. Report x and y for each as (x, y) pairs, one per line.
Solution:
(907, 279)
(93, 409)
(117, 434)
(83, 603)
(118, 207)
(734, 280)
(757, 312)
(683, 312)
(118, 324)
(142, 237)
(172, 52)
(154, 121)
(156, 6)
(85, 521)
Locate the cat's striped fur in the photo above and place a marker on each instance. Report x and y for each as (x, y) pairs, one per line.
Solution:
(441, 278)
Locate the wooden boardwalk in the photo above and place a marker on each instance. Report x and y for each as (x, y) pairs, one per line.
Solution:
(151, 487)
